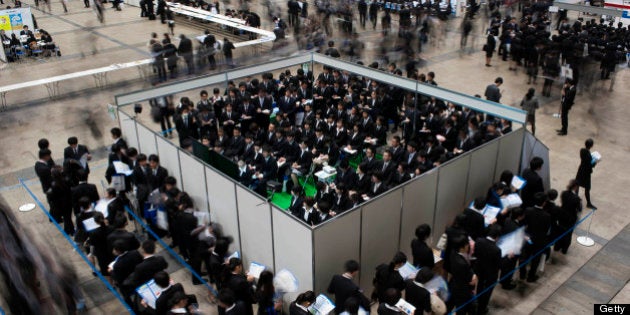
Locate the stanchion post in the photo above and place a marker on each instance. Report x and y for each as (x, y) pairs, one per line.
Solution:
(587, 240)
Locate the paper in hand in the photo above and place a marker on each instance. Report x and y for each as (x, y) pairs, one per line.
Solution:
(255, 269)
(405, 306)
(322, 306)
(518, 182)
(90, 225)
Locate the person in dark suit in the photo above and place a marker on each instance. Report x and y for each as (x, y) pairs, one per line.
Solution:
(474, 223)
(301, 303)
(583, 176)
(388, 302)
(229, 118)
(538, 223)
(97, 239)
(156, 174)
(130, 242)
(567, 216)
(140, 179)
(534, 181)
(508, 263)
(186, 125)
(421, 252)
(307, 213)
(248, 112)
(568, 99)
(369, 160)
(229, 303)
(59, 198)
(362, 181)
(236, 146)
(124, 264)
(85, 213)
(387, 167)
(244, 173)
(487, 265)
(241, 285)
(264, 104)
(378, 186)
(416, 294)
(343, 287)
(149, 266)
(43, 169)
(463, 279)
(84, 189)
(345, 174)
(163, 281)
(268, 171)
(76, 151)
(387, 277)
(184, 222)
(401, 176)
(117, 136)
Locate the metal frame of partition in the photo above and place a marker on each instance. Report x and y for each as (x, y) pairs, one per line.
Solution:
(276, 239)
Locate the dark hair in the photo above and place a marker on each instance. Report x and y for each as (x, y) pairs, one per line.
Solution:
(423, 231)
(494, 230)
(351, 305)
(116, 132)
(399, 258)
(226, 296)
(119, 246)
(506, 176)
(424, 275)
(517, 212)
(141, 157)
(186, 201)
(170, 180)
(351, 266)
(459, 241)
(391, 297)
(498, 80)
(111, 192)
(479, 203)
(84, 203)
(154, 158)
(162, 279)
(552, 194)
(148, 247)
(120, 221)
(44, 153)
(530, 93)
(536, 163)
(43, 143)
(176, 298)
(73, 140)
(588, 143)
(540, 198)
(308, 296)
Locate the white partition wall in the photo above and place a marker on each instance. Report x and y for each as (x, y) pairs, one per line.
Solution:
(451, 193)
(380, 229)
(254, 216)
(146, 137)
(418, 206)
(510, 147)
(293, 249)
(222, 199)
(532, 147)
(335, 243)
(194, 180)
(169, 158)
(128, 128)
(481, 171)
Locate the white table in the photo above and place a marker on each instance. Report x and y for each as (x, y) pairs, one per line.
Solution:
(325, 177)
(52, 83)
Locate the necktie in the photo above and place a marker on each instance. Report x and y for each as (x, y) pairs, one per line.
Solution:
(76, 151)
(384, 166)
(155, 172)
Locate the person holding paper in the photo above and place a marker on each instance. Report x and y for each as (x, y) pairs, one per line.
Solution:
(508, 263)
(416, 293)
(344, 288)
(538, 223)
(388, 303)
(421, 252)
(83, 227)
(145, 270)
(232, 306)
(487, 265)
(241, 285)
(534, 181)
(583, 176)
(268, 301)
(301, 303)
(77, 152)
(163, 280)
(463, 278)
(387, 276)
(83, 189)
(474, 221)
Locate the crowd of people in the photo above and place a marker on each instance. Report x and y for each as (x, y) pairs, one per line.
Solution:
(28, 44)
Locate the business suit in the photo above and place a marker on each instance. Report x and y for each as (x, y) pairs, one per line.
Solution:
(75, 154)
(186, 127)
(124, 265)
(459, 285)
(341, 203)
(508, 264)
(474, 224)
(386, 309)
(346, 177)
(98, 240)
(308, 216)
(140, 178)
(487, 267)
(538, 223)
(184, 222)
(235, 147)
(344, 288)
(566, 103)
(567, 217)
(422, 254)
(43, 172)
(376, 189)
(294, 309)
(363, 183)
(145, 271)
(84, 189)
(387, 168)
(245, 176)
(534, 184)
(583, 176)
(130, 240)
(264, 103)
(239, 308)
(114, 207)
(417, 296)
(247, 109)
(156, 177)
(161, 304)
(228, 120)
(243, 291)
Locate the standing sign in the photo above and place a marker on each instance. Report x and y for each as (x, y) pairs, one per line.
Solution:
(13, 20)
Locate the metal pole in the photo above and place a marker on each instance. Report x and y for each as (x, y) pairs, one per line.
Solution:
(587, 240)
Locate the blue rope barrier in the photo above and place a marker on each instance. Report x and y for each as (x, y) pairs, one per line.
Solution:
(521, 265)
(172, 252)
(77, 249)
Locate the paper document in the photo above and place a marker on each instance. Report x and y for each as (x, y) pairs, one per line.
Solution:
(405, 306)
(255, 269)
(101, 206)
(511, 201)
(322, 306)
(362, 311)
(438, 286)
(234, 255)
(90, 225)
(512, 242)
(408, 271)
(122, 168)
(490, 213)
(150, 292)
(595, 157)
(518, 182)
(285, 282)
(83, 160)
(350, 151)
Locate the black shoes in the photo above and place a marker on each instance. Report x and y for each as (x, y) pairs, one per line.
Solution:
(591, 206)
(508, 286)
(532, 279)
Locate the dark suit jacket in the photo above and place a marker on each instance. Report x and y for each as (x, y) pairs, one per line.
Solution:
(295, 310)
(384, 310)
(534, 184)
(422, 254)
(156, 181)
(348, 178)
(381, 189)
(538, 223)
(161, 304)
(488, 259)
(571, 205)
(243, 291)
(43, 171)
(68, 154)
(583, 176)
(125, 265)
(388, 172)
(343, 289)
(269, 169)
(131, 242)
(474, 224)
(462, 274)
(84, 189)
(239, 308)
(311, 219)
(417, 296)
(145, 271)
